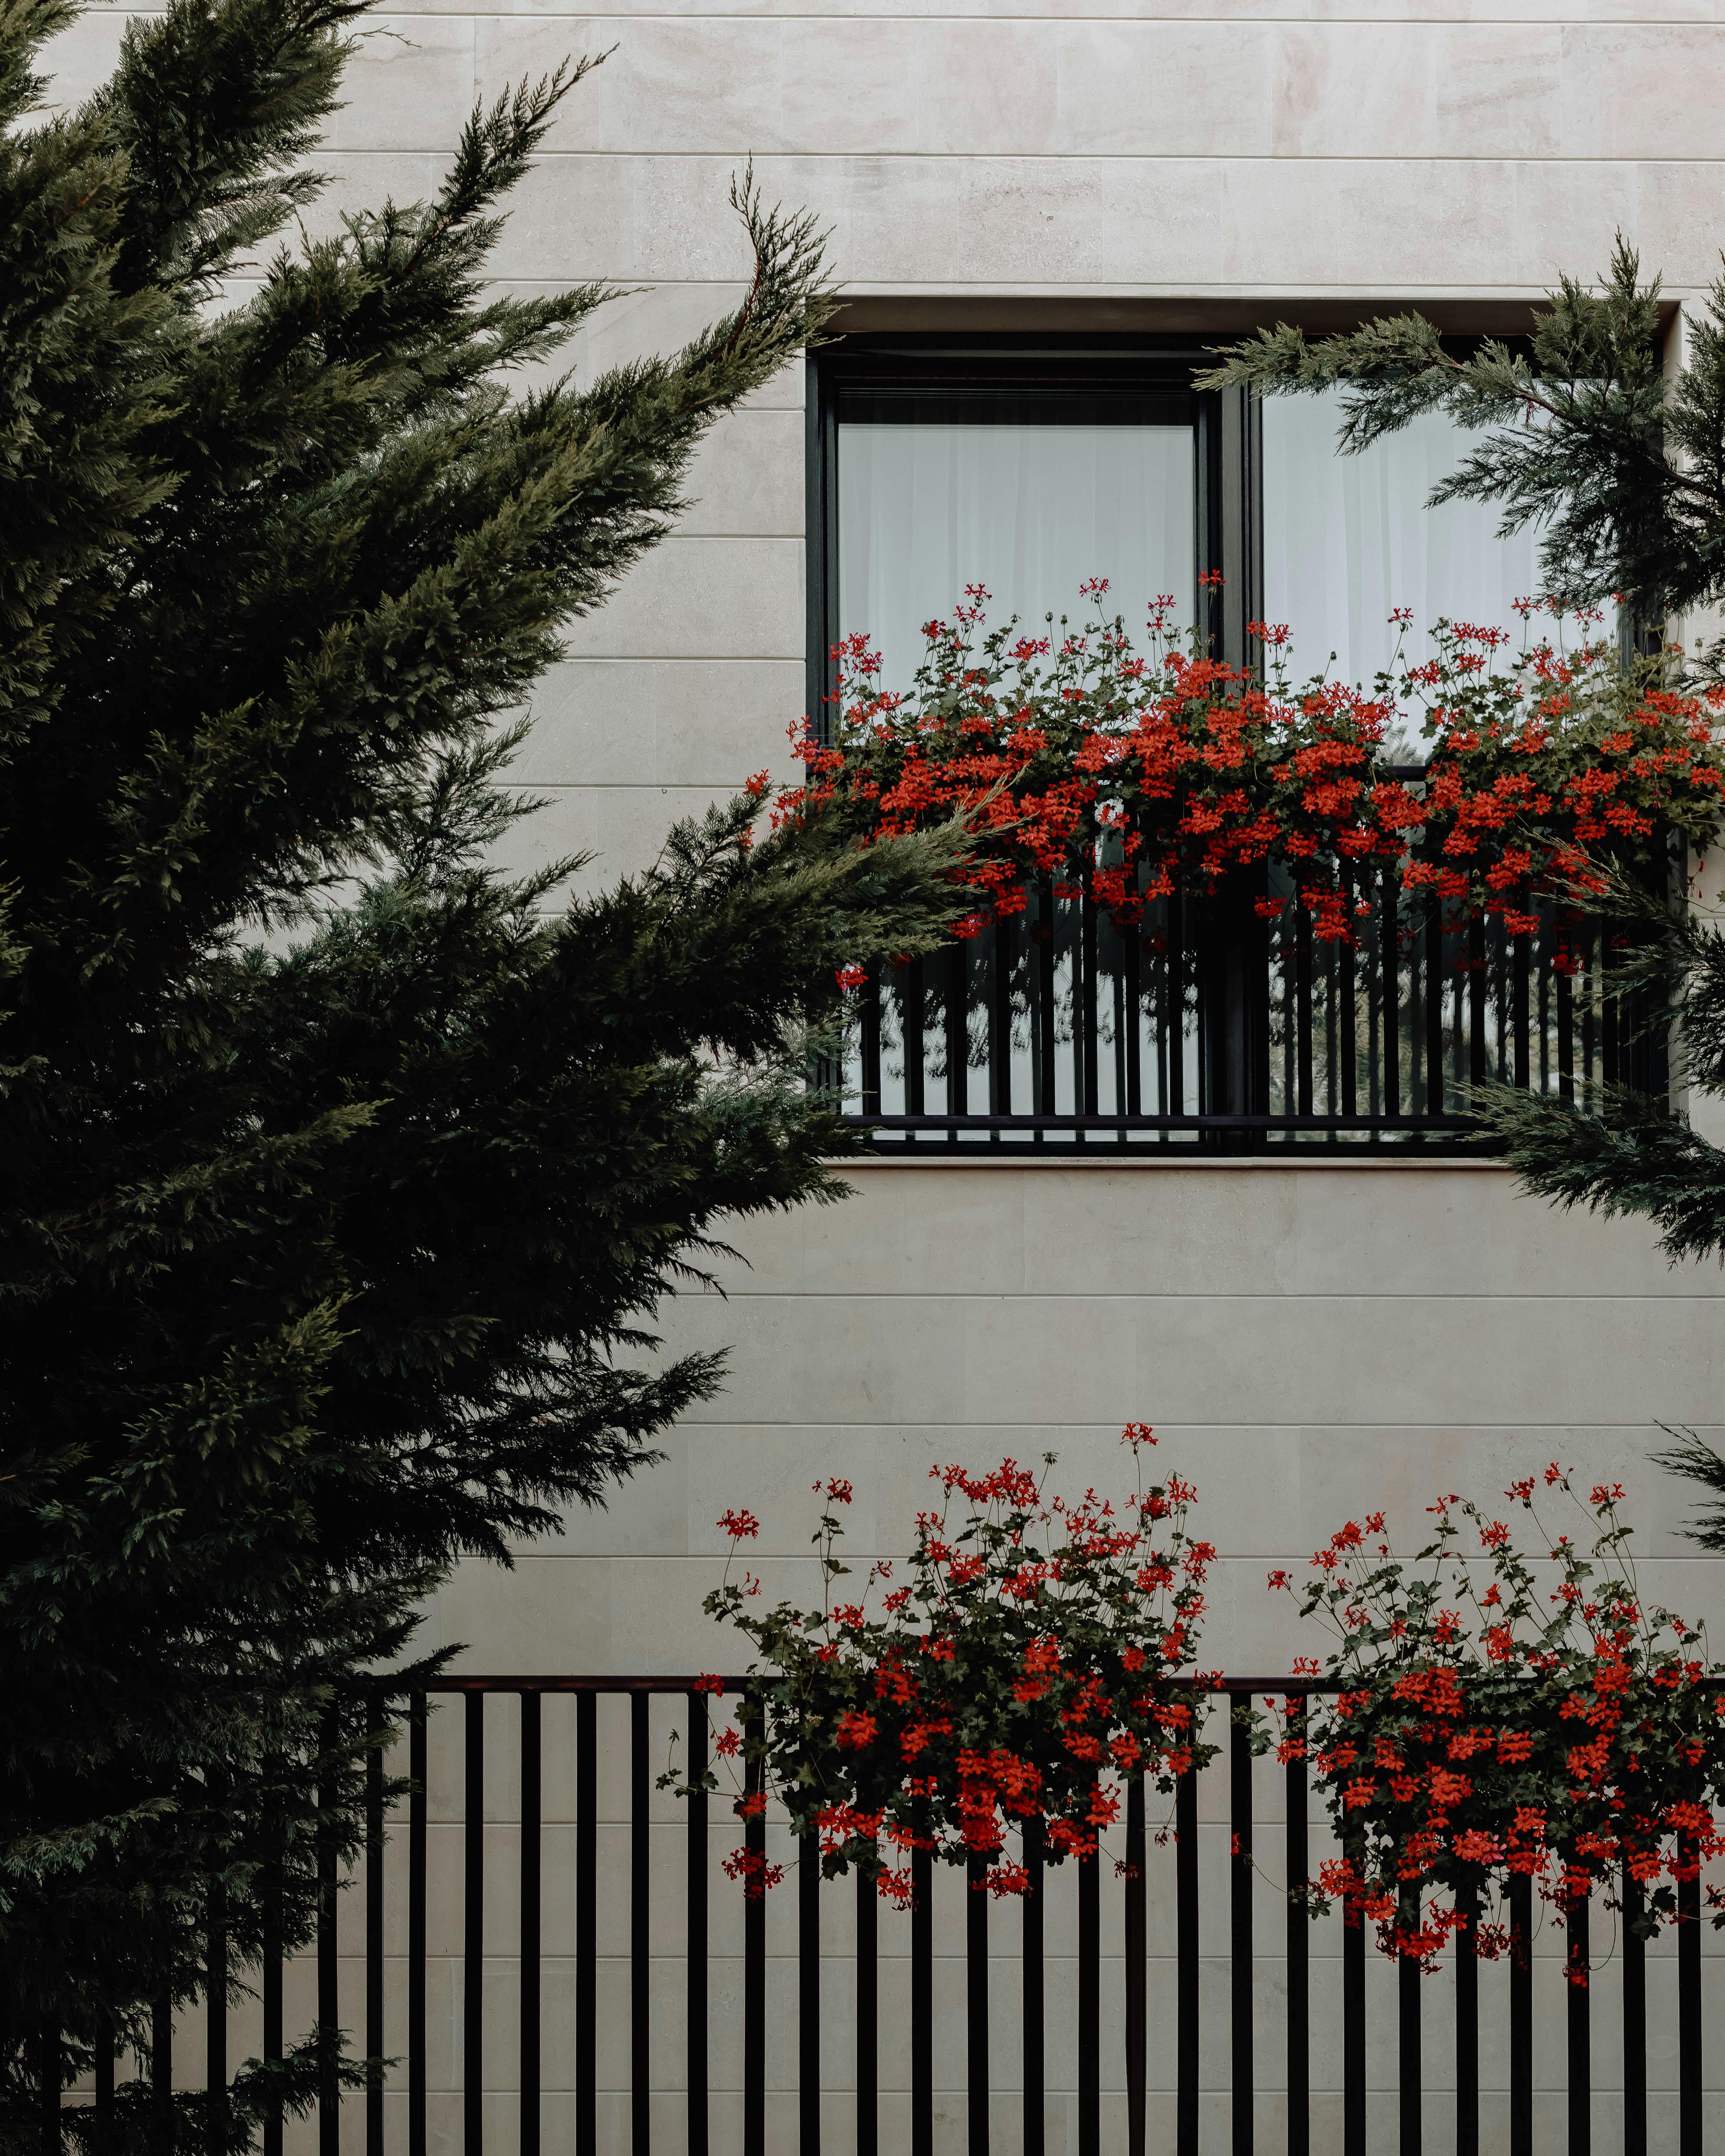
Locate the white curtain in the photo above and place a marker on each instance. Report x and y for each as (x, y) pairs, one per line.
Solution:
(1030, 511)
(1347, 540)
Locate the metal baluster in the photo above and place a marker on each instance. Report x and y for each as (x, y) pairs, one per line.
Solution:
(1353, 2035)
(1298, 1938)
(1035, 2118)
(1634, 2021)
(473, 1933)
(374, 1933)
(416, 1927)
(587, 1927)
(531, 1800)
(215, 2029)
(809, 1998)
(1689, 2084)
(999, 954)
(1409, 2063)
(1187, 2005)
(1136, 1945)
(1542, 1024)
(1086, 1028)
(698, 1926)
(1375, 963)
(1131, 962)
(869, 1041)
(1044, 1092)
(1435, 1097)
(1302, 994)
(1612, 1042)
(104, 2083)
(162, 2065)
(957, 1035)
(1125, 1031)
(640, 1965)
(1174, 1005)
(1580, 2035)
(1164, 1076)
(53, 2080)
(328, 2011)
(1467, 2032)
(867, 2017)
(1521, 2016)
(921, 2004)
(1477, 1068)
(1344, 1021)
(1390, 975)
(754, 1984)
(1239, 1905)
(912, 1003)
(1281, 977)
(1566, 1038)
(1090, 2007)
(274, 2114)
(976, 2004)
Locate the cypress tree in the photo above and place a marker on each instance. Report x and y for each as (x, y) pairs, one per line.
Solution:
(342, 1172)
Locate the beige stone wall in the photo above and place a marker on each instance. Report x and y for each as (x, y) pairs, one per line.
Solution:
(1311, 1341)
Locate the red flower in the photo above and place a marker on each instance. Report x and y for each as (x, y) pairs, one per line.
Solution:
(750, 1865)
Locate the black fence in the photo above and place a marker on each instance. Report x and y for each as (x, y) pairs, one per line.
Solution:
(1187, 2020)
(1230, 1026)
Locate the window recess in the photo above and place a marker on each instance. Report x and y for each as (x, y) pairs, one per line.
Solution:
(1225, 1027)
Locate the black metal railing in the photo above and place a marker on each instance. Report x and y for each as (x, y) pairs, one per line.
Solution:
(1177, 1999)
(1231, 1026)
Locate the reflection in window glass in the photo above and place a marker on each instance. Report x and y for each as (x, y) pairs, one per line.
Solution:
(1347, 540)
(1030, 511)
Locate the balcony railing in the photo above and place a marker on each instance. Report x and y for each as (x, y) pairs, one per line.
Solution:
(1229, 1029)
(545, 1952)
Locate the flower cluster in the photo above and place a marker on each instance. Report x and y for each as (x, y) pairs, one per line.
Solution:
(1504, 1716)
(1127, 775)
(1021, 1667)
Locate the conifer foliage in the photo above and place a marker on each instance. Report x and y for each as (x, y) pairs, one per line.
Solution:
(1621, 465)
(341, 1173)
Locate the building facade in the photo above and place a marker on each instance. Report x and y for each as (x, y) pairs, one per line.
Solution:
(1061, 199)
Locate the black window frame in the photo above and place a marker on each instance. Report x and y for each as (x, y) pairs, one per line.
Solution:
(1232, 1012)
(1229, 537)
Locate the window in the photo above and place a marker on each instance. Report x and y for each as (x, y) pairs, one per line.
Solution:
(1026, 489)
(938, 464)
(1348, 539)
(1027, 471)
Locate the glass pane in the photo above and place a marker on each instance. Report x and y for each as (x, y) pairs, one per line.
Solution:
(1030, 511)
(1347, 540)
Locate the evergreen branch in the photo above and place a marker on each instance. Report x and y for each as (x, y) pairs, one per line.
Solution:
(211, 102)
(25, 27)
(1624, 474)
(1692, 1457)
(1628, 1155)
